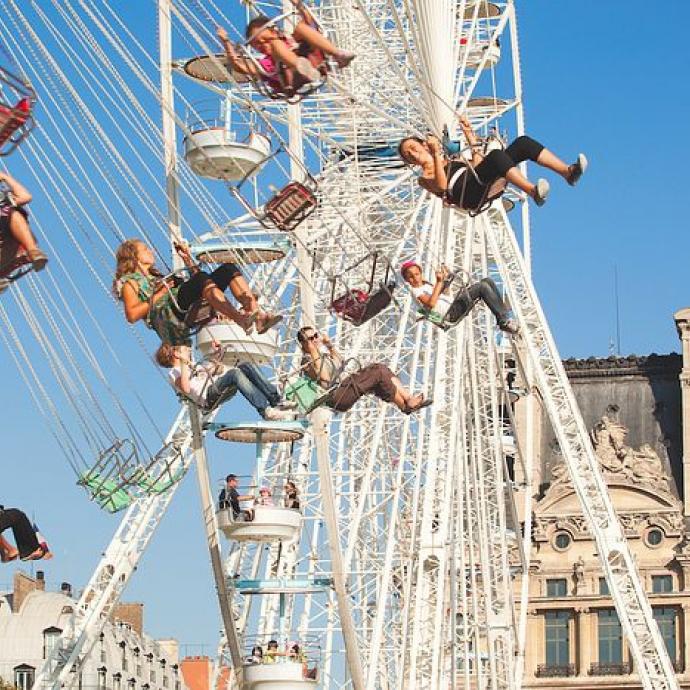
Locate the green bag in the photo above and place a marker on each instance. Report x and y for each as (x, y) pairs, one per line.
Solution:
(307, 393)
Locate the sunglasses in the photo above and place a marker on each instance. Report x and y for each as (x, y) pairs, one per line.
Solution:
(315, 336)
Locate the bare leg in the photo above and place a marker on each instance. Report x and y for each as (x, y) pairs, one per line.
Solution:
(304, 32)
(19, 228)
(516, 178)
(243, 294)
(550, 160)
(7, 551)
(215, 297)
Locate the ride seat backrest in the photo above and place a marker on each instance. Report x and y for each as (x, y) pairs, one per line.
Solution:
(290, 206)
(12, 118)
(306, 392)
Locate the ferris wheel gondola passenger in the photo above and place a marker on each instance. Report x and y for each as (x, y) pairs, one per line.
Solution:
(19, 252)
(292, 66)
(175, 308)
(472, 185)
(438, 306)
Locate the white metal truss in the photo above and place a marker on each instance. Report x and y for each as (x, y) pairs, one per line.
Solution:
(61, 668)
(642, 634)
(407, 515)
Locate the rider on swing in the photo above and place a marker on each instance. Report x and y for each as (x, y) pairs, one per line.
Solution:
(162, 304)
(14, 225)
(288, 62)
(451, 310)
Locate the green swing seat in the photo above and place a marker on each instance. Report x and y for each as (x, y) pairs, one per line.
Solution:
(307, 393)
(434, 317)
(107, 493)
(156, 486)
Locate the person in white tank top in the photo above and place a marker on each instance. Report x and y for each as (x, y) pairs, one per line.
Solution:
(448, 309)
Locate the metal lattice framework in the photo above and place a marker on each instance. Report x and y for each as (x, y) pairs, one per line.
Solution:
(409, 518)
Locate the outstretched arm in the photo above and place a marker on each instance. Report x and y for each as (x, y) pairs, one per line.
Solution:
(20, 193)
(304, 12)
(472, 140)
(235, 62)
(429, 301)
(434, 180)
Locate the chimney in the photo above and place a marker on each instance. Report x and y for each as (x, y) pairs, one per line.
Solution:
(196, 672)
(23, 585)
(132, 614)
(66, 589)
(40, 580)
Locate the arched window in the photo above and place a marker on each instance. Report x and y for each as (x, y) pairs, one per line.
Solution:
(50, 639)
(24, 676)
(117, 681)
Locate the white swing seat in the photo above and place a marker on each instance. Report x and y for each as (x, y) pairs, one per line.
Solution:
(285, 675)
(215, 153)
(270, 524)
(238, 346)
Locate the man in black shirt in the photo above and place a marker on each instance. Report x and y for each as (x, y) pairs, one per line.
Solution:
(230, 498)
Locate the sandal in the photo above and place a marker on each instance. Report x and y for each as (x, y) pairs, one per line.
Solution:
(424, 402)
(41, 553)
(267, 322)
(247, 323)
(38, 259)
(5, 558)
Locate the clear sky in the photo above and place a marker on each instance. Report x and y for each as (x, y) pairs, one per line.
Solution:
(607, 78)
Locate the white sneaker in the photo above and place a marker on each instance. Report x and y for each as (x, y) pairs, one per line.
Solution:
(509, 326)
(541, 191)
(274, 414)
(307, 70)
(287, 405)
(343, 58)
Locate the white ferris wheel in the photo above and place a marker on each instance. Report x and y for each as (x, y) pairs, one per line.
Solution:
(406, 565)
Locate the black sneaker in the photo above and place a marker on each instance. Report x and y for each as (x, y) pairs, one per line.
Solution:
(577, 169)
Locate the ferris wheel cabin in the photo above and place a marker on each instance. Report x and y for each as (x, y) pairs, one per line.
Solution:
(285, 675)
(268, 524)
(217, 148)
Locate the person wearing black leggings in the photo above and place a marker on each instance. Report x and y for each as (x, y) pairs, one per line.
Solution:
(454, 182)
(28, 546)
(137, 284)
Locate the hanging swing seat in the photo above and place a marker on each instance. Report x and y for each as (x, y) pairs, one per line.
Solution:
(307, 393)
(358, 306)
(259, 432)
(293, 204)
(118, 477)
(487, 10)
(240, 252)
(108, 494)
(16, 118)
(199, 314)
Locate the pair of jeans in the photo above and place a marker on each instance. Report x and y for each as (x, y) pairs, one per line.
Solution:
(248, 379)
(23, 530)
(485, 290)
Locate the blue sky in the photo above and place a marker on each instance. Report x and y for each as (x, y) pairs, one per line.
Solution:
(596, 80)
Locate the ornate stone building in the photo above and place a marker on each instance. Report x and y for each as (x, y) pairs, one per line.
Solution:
(638, 411)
